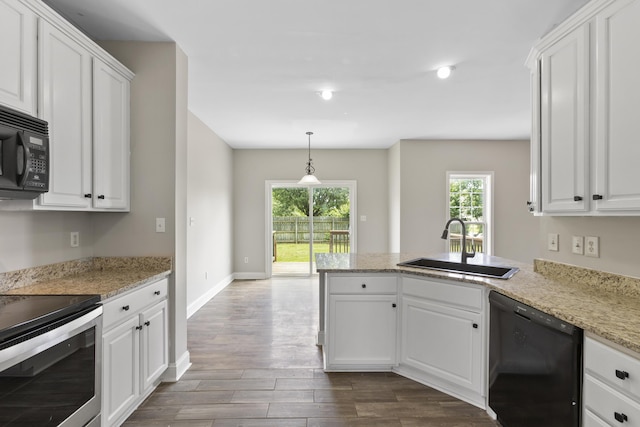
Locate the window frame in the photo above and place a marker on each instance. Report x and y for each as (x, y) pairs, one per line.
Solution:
(488, 202)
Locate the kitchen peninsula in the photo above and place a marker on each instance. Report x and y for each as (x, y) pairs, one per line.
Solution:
(605, 304)
(433, 326)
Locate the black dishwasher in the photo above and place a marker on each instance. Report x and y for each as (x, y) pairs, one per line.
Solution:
(535, 366)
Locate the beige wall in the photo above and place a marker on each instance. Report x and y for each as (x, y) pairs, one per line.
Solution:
(158, 172)
(394, 198)
(619, 237)
(209, 212)
(253, 167)
(423, 166)
(153, 140)
(29, 239)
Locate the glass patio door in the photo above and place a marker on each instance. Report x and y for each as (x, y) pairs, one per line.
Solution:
(309, 220)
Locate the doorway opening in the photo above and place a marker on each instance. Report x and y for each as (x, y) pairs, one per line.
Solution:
(303, 221)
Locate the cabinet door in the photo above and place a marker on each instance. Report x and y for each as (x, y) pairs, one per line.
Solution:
(591, 420)
(617, 106)
(18, 33)
(110, 137)
(443, 342)
(362, 330)
(65, 70)
(564, 122)
(155, 344)
(120, 370)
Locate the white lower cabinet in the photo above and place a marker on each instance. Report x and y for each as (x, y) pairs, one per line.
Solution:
(443, 336)
(135, 350)
(442, 341)
(361, 323)
(611, 385)
(429, 330)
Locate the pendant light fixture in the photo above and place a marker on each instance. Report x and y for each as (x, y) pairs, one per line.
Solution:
(309, 178)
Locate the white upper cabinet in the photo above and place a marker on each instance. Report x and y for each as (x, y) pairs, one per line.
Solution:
(586, 98)
(110, 137)
(617, 144)
(564, 121)
(65, 79)
(18, 52)
(54, 71)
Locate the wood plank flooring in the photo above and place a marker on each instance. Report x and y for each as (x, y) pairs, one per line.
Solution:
(255, 364)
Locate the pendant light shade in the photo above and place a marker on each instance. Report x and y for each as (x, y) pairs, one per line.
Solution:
(309, 178)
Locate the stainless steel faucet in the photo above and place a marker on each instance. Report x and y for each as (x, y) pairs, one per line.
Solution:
(465, 254)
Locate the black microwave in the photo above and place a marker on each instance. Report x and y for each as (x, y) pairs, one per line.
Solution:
(24, 155)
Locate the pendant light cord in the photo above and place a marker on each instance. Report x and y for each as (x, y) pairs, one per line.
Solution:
(310, 168)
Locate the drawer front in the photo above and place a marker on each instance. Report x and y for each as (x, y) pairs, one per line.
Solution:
(119, 308)
(619, 370)
(609, 405)
(362, 284)
(466, 297)
(591, 420)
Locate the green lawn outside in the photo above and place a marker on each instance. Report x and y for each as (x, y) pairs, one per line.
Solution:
(292, 252)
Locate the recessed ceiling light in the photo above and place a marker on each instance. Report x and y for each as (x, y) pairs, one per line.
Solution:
(326, 94)
(445, 72)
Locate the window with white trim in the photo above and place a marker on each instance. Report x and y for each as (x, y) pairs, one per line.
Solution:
(469, 196)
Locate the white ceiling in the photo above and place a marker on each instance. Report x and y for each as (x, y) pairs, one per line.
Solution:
(255, 66)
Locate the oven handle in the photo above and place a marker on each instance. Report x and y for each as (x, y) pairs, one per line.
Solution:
(23, 350)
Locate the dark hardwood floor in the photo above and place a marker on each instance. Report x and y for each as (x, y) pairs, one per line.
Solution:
(255, 364)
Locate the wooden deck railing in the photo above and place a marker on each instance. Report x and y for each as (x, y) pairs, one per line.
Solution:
(339, 241)
(473, 243)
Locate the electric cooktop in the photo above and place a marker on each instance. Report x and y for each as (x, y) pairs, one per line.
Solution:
(21, 314)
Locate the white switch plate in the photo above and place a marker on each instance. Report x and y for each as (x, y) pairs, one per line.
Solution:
(75, 239)
(552, 242)
(160, 225)
(592, 246)
(577, 245)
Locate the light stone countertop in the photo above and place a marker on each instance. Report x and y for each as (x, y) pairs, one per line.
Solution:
(605, 304)
(104, 276)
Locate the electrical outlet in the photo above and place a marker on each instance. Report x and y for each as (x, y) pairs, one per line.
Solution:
(160, 225)
(577, 245)
(75, 239)
(246, 260)
(552, 242)
(592, 246)
(363, 218)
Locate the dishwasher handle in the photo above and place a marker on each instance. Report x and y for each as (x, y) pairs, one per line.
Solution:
(506, 304)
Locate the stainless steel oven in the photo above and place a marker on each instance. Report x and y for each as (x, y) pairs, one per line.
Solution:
(50, 360)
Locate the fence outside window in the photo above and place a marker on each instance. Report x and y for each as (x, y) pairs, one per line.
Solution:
(295, 229)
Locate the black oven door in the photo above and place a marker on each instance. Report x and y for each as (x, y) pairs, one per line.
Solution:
(53, 378)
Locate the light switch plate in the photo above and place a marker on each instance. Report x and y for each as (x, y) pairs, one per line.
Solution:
(577, 245)
(160, 225)
(552, 242)
(592, 246)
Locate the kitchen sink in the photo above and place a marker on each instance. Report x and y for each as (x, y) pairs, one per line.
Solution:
(494, 271)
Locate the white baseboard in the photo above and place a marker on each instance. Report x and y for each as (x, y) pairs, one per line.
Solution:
(176, 370)
(250, 276)
(197, 304)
